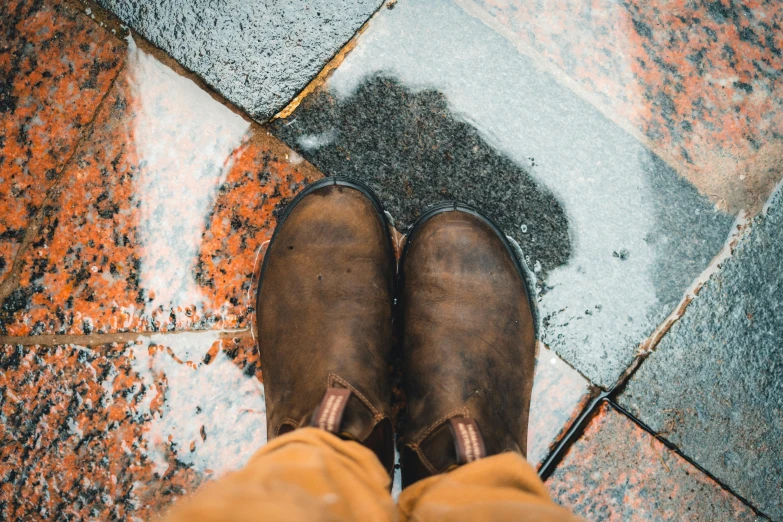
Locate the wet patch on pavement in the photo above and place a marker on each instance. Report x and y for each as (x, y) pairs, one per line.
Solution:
(412, 151)
(614, 235)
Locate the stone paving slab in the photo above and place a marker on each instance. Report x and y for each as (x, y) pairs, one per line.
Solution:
(619, 472)
(714, 385)
(433, 105)
(258, 55)
(159, 219)
(699, 81)
(559, 395)
(123, 429)
(55, 67)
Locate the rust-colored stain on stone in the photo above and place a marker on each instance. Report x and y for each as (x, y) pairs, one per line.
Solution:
(55, 66)
(618, 472)
(700, 81)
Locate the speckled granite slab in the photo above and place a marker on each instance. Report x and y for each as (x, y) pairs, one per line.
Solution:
(258, 55)
(714, 385)
(434, 105)
(619, 472)
(117, 431)
(699, 82)
(55, 67)
(160, 217)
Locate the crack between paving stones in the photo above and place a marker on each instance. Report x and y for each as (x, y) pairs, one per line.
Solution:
(11, 281)
(97, 339)
(578, 427)
(326, 71)
(674, 448)
(740, 229)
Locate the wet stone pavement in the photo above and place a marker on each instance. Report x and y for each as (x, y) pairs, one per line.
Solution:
(258, 58)
(631, 149)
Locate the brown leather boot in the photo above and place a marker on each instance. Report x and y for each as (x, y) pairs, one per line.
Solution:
(469, 343)
(324, 317)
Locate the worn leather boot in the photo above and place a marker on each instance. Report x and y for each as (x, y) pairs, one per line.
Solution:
(469, 341)
(324, 317)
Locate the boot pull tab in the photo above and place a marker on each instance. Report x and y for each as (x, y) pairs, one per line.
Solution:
(468, 441)
(329, 414)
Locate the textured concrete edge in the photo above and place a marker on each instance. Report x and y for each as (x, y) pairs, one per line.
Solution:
(102, 16)
(333, 63)
(105, 18)
(119, 29)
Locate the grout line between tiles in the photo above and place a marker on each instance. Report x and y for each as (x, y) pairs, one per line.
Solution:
(673, 447)
(11, 281)
(740, 229)
(573, 434)
(579, 426)
(96, 339)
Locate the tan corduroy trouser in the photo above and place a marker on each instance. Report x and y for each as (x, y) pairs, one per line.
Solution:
(312, 475)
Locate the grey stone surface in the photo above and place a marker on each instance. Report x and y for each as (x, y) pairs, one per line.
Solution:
(714, 385)
(258, 55)
(434, 105)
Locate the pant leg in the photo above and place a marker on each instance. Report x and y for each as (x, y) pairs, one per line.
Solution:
(305, 475)
(500, 488)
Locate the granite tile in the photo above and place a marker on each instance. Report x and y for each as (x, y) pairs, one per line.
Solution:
(118, 432)
(700, 80)
(613, 234)
(160, 216)
(259, 56)
(714, 385)
(55, 67)
(617, 471)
